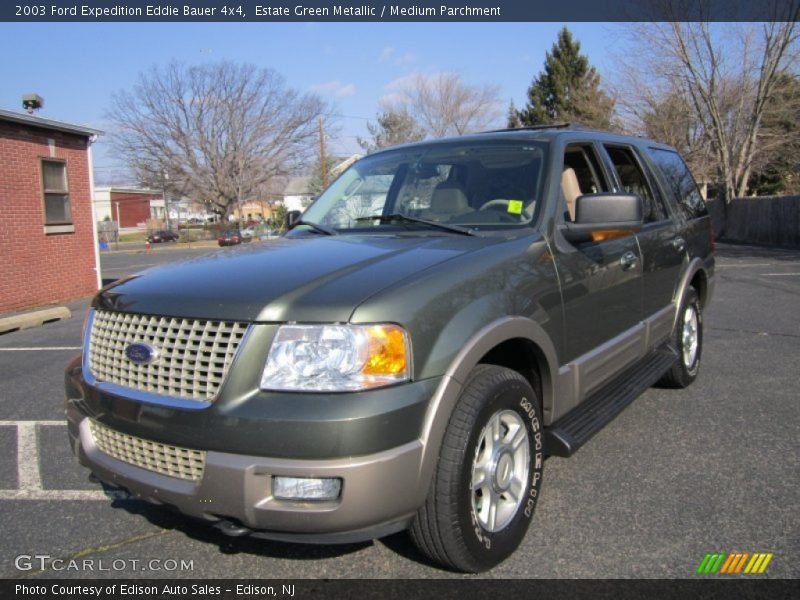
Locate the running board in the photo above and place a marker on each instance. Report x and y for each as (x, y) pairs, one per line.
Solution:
(578, 426)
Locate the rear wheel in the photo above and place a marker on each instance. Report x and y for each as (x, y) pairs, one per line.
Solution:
(688, 341)
(487, 481)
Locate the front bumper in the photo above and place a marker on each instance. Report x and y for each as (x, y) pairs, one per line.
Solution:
(380, 492)
(381, 489)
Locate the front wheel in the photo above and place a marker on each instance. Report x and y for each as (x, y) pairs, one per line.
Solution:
(688, 341)
(489, 474)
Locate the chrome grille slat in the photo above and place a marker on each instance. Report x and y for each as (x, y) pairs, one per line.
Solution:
(173, 461)
(193, 354)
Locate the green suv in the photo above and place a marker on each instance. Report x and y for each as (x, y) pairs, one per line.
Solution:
(444, 317)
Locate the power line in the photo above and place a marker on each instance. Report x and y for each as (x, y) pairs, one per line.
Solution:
(350, 117)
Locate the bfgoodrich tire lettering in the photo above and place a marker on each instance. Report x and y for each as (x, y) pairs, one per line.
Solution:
(452, 528)
(687, 339)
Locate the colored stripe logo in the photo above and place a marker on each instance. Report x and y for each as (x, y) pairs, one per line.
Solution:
(735, 563)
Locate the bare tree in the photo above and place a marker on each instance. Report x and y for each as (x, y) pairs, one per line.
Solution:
(221, 133)
(444, 104)
(667, 116)
(778, 168)
(725, 75)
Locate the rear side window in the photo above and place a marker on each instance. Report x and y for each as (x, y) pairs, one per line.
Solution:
(679, 182)
(633, 181)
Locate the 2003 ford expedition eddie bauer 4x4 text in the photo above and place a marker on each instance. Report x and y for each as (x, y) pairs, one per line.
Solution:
(444, 316)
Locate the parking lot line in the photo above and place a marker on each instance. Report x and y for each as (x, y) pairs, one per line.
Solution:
(53, 495)
(780, 274)
(42, 423)
(39, 348)
(29, 478)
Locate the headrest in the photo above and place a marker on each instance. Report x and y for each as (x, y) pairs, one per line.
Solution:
(449, 198)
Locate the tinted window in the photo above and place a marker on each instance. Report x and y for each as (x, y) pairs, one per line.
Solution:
(679, 182)
(633, 181)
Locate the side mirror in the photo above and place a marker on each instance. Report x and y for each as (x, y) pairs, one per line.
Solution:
(292, 217)
(604, 212)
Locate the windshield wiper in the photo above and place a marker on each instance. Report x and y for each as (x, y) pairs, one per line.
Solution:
(316, 227)
(407, 219)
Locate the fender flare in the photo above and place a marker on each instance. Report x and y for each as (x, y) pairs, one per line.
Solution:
(695, 265)
(447, 394)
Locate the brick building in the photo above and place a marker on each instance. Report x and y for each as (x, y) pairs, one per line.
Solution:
(129, 207)
(48, 241)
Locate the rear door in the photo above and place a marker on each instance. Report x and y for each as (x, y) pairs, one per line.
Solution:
(662, 247)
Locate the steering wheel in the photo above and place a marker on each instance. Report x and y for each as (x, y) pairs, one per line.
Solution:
(502, 215)
(495, 203)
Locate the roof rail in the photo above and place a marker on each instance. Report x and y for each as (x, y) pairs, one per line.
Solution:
(534, 127)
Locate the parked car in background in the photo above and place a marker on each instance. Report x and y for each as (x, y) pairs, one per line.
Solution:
(230, 237)
(162, 236)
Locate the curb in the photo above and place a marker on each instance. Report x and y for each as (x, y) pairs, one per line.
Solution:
(140, 249)
(36, 318)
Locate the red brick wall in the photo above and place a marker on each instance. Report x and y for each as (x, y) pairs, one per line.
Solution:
(39, 269)
(134, 209)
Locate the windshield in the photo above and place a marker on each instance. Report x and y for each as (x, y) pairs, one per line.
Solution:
(486, 185)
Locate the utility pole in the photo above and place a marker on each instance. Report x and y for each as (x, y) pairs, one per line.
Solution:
(119, 226)
(166, 202)
(323, 161)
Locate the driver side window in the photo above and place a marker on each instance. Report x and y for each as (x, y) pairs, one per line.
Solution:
(581, 175)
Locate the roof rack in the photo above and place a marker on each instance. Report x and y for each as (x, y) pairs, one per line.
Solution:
(534, 127)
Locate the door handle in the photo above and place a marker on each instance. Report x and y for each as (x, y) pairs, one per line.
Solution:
(679, 244)
(628, 261)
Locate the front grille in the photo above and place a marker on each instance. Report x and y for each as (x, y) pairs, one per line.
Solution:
(172, 461)
(192, 358)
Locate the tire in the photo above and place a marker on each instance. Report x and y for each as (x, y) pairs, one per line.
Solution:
(457, 527)
(687, 339)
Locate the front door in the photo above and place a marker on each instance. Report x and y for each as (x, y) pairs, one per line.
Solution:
(601, 281)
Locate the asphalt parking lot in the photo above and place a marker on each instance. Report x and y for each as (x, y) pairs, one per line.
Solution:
(714, 468)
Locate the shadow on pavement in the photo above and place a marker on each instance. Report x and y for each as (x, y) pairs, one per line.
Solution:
(165, 517)
(401, 544)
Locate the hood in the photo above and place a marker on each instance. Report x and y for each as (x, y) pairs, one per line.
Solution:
(305, 278)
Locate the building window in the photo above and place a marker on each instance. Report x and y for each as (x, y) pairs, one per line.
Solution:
(57, 209)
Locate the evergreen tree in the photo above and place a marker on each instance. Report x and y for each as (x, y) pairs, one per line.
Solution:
(513, 121)
(568, 89)
(315, 186)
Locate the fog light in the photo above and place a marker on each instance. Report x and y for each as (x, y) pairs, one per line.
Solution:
(306, 488)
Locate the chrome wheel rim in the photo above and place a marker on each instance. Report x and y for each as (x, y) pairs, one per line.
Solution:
(500, 470)
(689, 339)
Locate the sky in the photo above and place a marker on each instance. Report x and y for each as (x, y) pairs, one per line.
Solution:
(76, 67)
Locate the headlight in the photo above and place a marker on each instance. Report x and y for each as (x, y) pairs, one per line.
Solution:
(336, 358)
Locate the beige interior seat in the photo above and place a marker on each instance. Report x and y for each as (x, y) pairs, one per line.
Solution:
(448, 200)
(571, 190)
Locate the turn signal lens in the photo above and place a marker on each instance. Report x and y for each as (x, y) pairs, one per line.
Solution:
(387, 351)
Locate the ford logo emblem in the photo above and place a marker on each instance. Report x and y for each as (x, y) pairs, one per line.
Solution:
(141, 354)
